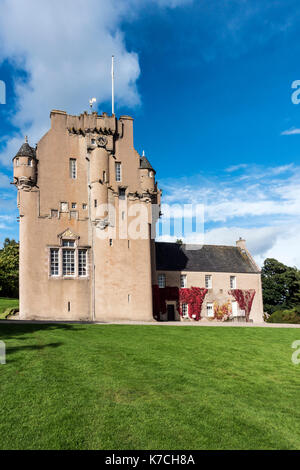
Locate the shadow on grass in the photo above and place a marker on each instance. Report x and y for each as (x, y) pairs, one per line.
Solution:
(32, 347)
(15, 330)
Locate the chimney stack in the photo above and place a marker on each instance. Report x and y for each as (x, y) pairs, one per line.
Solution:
(241, 243)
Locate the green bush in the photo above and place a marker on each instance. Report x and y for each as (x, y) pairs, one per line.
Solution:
(285, 316)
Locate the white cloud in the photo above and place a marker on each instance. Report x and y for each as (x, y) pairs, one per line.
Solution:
(263, 206)
(292, 131)
(65, 48)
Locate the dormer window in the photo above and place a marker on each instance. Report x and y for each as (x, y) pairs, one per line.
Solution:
(29, 161)
(70, 243)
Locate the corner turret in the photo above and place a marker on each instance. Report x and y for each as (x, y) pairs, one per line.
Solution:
(147, 174)
(25, 166)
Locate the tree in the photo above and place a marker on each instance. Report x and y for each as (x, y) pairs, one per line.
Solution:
(281, 285)
(9, 269)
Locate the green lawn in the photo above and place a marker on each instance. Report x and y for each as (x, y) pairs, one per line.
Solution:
(7, 303)
(148, 387)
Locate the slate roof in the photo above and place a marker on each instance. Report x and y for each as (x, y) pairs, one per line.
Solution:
(145, 164)
(206, 258)
(26, 151)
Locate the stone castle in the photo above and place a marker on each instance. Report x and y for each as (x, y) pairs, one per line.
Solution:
(88, 206)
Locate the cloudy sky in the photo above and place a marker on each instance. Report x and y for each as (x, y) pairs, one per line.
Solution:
(208, 82)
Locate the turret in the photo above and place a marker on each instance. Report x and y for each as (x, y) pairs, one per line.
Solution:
(25, 166)
(99, 176)
(147, 175)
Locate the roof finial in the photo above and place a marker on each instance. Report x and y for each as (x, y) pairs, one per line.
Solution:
(26, 139)
(143, 153)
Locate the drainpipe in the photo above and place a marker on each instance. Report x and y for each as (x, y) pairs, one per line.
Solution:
(91, 237)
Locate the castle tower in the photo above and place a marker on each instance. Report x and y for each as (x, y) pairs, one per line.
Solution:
(86, 200)
(25, 166)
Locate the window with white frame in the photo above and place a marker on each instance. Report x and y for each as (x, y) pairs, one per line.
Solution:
(68, 262)
(82, 263)
(54, 262)
(70, 243)
(208, 281)
(185, 310)
(183, 281)
(17, 162)
(118, 172)
(161, 281)
(73, 168)
(64, 207)
(210, 310)
(232, 282)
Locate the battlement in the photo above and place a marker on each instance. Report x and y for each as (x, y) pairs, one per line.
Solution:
(87, 123)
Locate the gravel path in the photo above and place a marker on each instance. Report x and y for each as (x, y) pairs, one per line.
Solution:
(154, 323)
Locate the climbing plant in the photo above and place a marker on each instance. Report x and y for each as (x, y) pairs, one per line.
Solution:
(245, 299)
(193, 296)
(222, 312)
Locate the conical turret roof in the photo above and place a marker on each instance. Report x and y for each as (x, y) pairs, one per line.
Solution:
(145, 164)
(26, 150)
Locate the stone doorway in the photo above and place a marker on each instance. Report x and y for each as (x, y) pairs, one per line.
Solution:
(171, 312)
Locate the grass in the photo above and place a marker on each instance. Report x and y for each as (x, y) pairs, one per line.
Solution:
(7, 303)
(148, 387)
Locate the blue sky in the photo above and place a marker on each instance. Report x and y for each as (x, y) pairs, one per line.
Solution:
(209, 85)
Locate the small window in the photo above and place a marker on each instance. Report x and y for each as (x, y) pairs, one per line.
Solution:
(128, 243)
(73, 214)
(54, 214)
(118, 172)
(104, 177)
(151, 174)
(129, 298)
(73, 168)
(95, 203)
(183, 281)
(110, 242)
(123, 215)
(93, 141)
(68, 262)
(64, 207)
(82, 263)
(84, 207)
(54, 262)
(29, 161)
(17, 162)
(162, 281)
(210, 310)
(122, 194)
(208, 281)
(185, 310)
(69, 243)
(232, 282)
(74, 205)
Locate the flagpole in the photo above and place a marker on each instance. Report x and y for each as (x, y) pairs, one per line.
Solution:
(112, 86)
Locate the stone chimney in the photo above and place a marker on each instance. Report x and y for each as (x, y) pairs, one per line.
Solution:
(241, 243)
